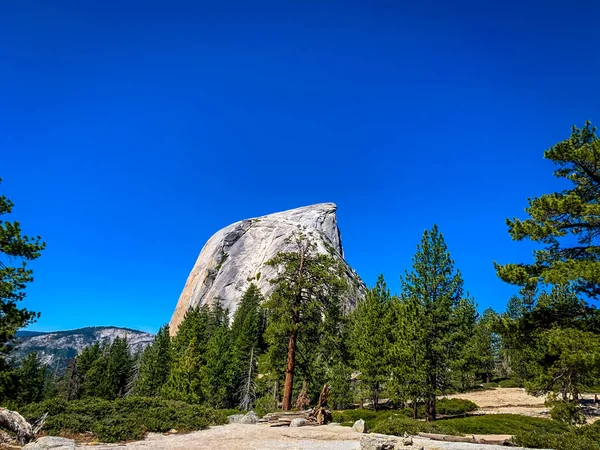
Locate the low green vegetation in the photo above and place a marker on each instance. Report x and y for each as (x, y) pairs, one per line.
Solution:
(122, 419)
(573, 438)
(445, 407)
(501, 424)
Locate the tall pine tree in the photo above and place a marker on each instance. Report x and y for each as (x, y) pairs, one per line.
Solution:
(246, 337)
(369, 339)
(307, 291)
(15, 250)
(433, 292)
(155, 365)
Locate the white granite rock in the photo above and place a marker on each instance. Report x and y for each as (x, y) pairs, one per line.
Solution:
(250, 418)
(235, 256)
(51, 442)
(298, 422)
(360, 426)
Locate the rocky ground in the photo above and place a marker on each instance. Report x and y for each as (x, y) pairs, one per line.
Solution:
(263, 437)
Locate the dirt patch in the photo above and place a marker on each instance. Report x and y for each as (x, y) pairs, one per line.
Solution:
(517, 401)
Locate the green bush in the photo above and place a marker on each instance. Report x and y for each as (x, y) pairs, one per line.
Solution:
(399, 424)
(265, 405)
(501, 424)
(445, 407)
(576, 438)
(567, 412)
(454, 406)
(510, 383)
(122, 419)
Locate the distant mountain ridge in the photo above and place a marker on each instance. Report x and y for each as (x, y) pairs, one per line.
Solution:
(57, 348)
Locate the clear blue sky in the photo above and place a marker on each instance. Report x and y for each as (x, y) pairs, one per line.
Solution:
(131, 131)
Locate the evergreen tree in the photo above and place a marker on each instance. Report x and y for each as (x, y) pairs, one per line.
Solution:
(184, 382)
(187, 378)
(155, 365)
(568, 362)
(31, 378)
(476, 360)
(406, 353)
(216, 373)
(566, 222)
(433, 293)
(246, 337)
(307, 292)
(119, 367)
(15, 250)
(531, 337)
(369, 339)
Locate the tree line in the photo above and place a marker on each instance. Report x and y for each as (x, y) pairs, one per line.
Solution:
(408, 348)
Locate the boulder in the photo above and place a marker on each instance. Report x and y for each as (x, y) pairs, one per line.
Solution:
(235, 256)
(378, 442)
(51, 443)
(298, 422)
(360, 426)
(250, 418)
(235, 418)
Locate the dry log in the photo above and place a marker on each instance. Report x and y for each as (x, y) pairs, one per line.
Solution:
(320, 414)
(14, 422)
(466, 439)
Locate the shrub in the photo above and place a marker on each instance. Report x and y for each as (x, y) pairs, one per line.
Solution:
(454, 406)
(501, 424)
(399, 424)
(122, 419)
(576, 438)
(265, 405)
(510, 383)
(567, 412)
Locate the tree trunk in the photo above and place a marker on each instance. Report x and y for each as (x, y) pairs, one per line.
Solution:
(376, 397)
(430, 408)
(289, 371)
(415, 407)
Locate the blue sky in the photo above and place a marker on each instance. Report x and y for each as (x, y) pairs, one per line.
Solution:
(132, 131)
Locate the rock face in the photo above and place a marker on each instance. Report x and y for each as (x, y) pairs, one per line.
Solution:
(236, 255)
(57, 348)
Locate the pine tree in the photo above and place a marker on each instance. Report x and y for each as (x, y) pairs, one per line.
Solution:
(406, 353)
(15, 250)
(184, 382)
(216, 373)
(31, 379)
(155, 365)
(307, 291)
(370, 339)
(187, 377)
(246, 336)
(566, 222)
(118, 369)
(432, 292)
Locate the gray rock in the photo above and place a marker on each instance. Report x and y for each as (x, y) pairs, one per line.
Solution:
(235, 418)
(360, 426)
(250, 418)
(378, 442)
(51, 442)
(235, 256)
(298, 422)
